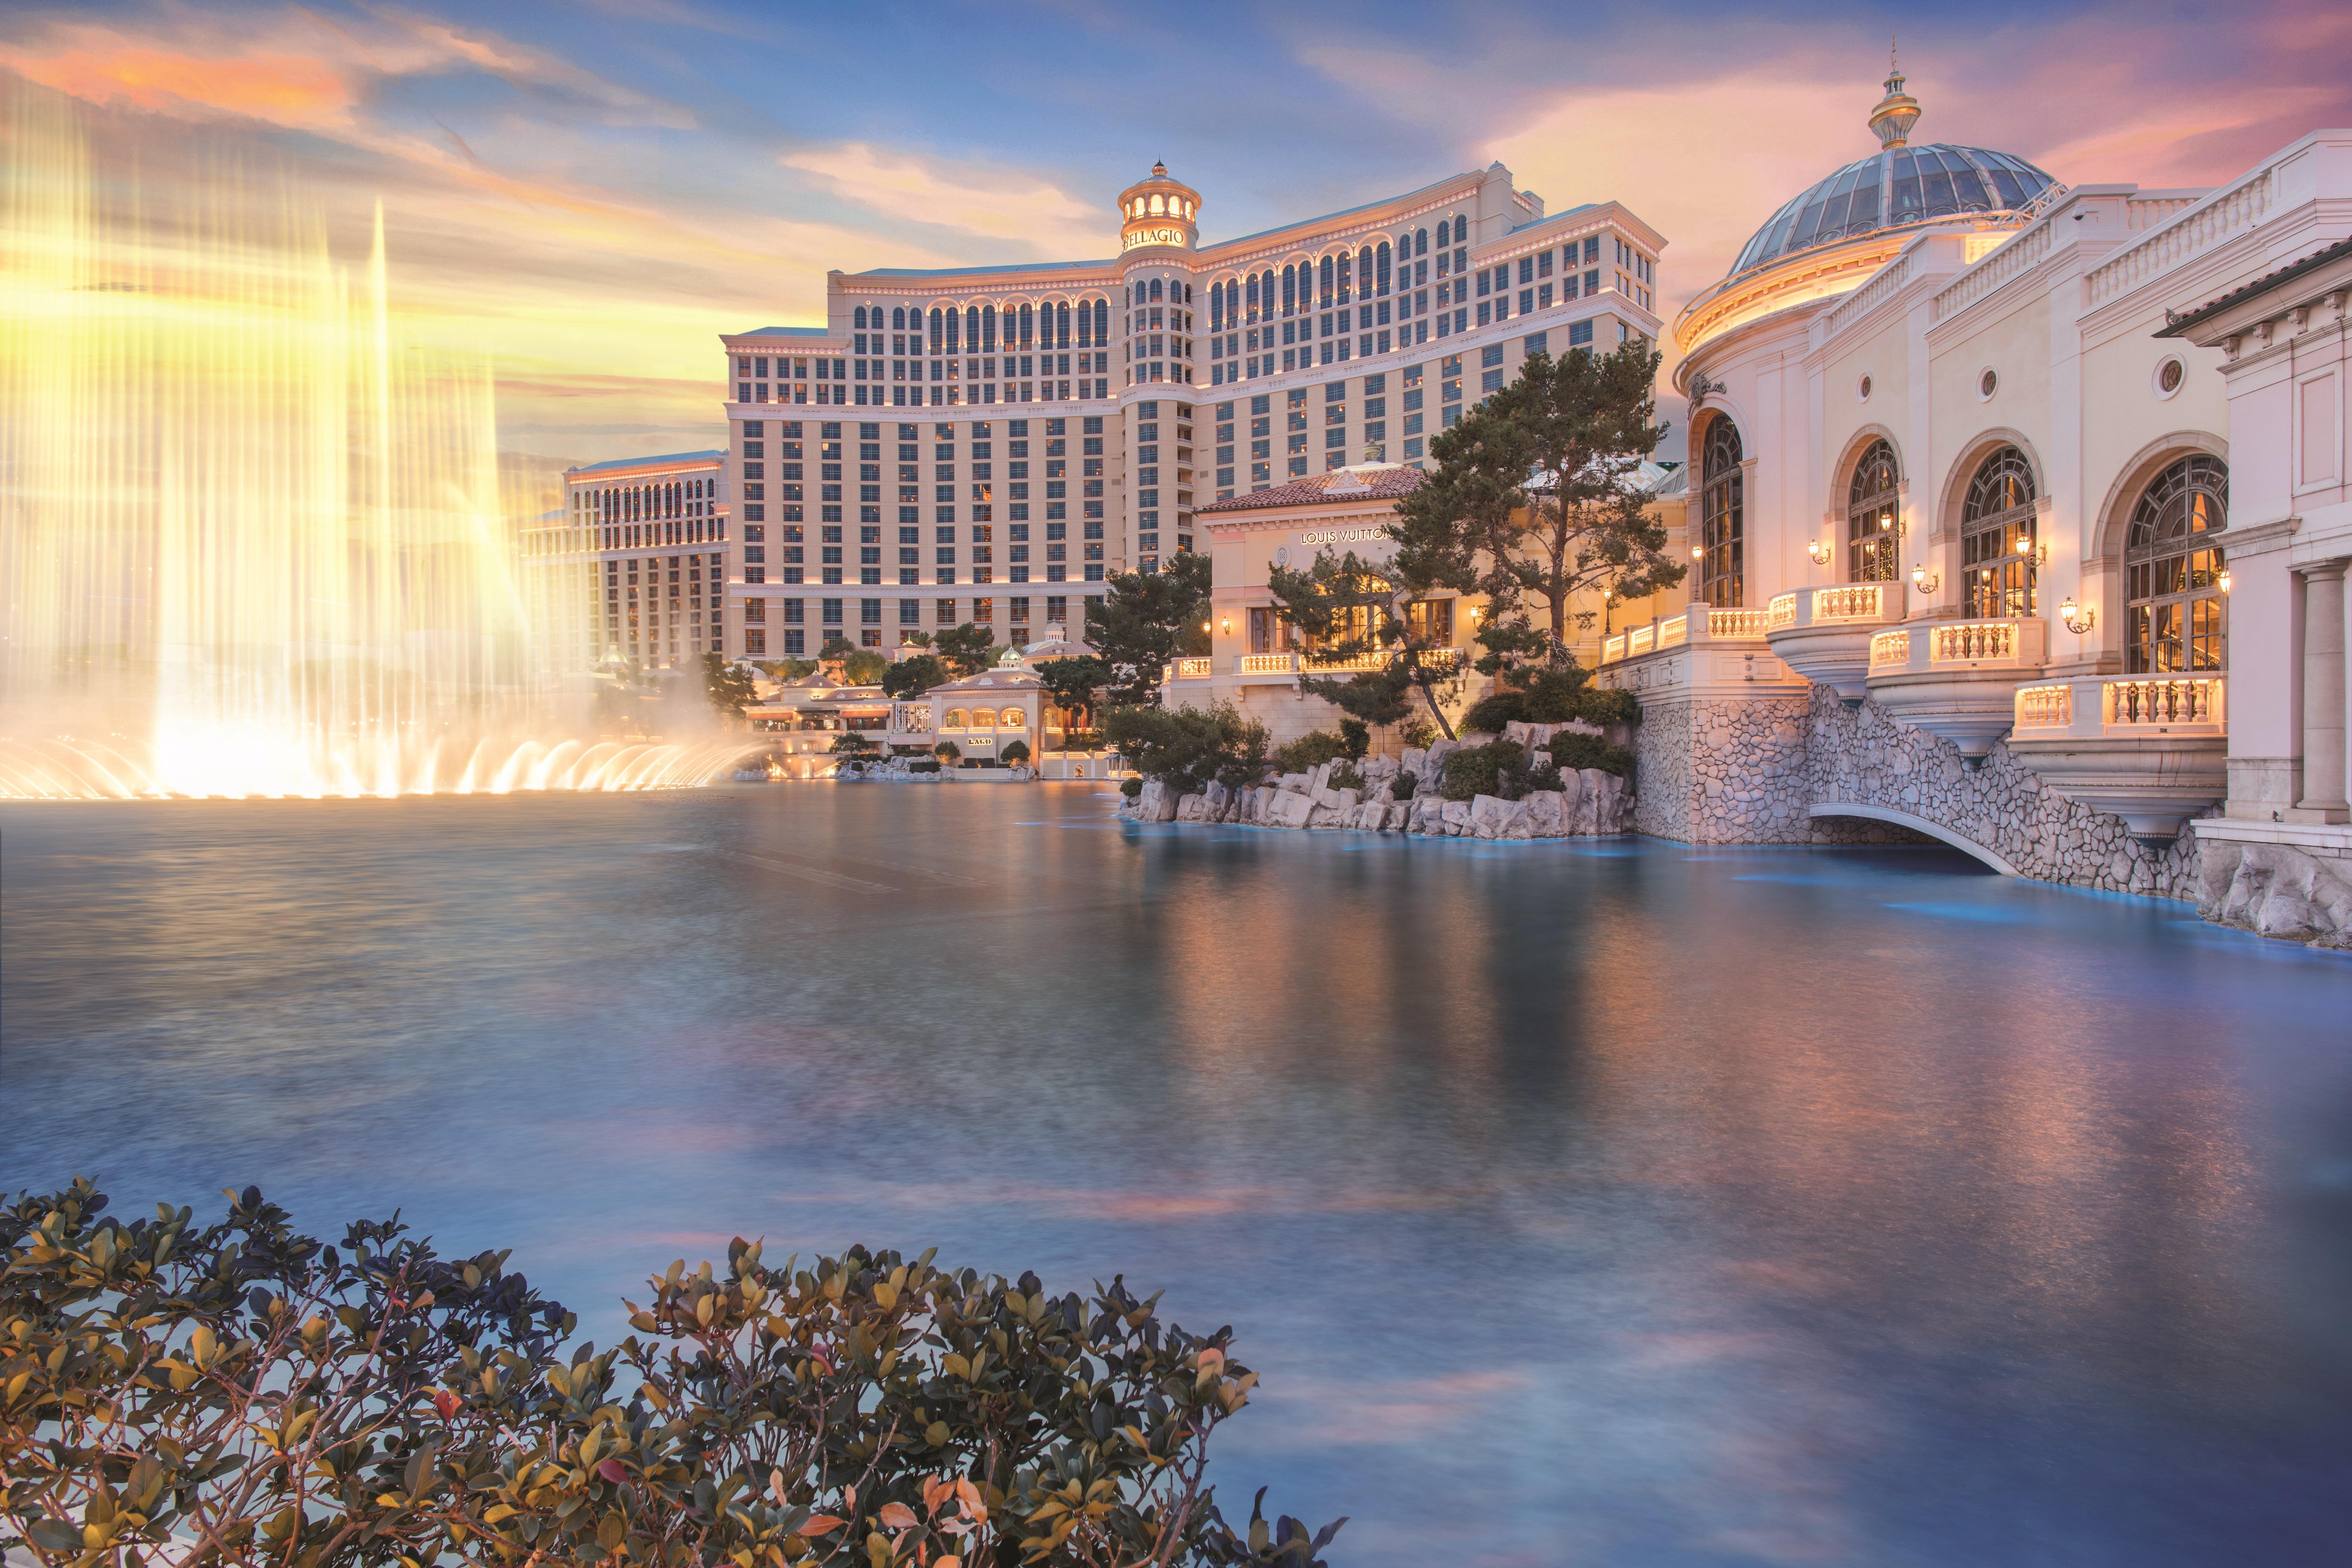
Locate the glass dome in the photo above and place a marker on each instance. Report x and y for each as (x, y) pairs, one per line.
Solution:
(1891, 189)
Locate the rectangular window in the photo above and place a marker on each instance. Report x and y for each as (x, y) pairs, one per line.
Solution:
(1580, 334)
(829, 611)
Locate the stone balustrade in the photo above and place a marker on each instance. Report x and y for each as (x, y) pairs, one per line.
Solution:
(1734, 624)
(1780, 612)
(2149, 705)
(1857, 602)
(1890, 650)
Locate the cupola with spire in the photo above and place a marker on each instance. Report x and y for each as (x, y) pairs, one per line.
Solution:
(1159, 212)
(1898, 111)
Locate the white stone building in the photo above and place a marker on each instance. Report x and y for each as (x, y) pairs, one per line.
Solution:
(1971, 505)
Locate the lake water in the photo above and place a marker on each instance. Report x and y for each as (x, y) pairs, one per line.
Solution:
(1610, 1203)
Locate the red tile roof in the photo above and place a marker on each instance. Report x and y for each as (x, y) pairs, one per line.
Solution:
(1338, 485)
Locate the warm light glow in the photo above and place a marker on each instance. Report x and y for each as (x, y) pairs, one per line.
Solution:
(256, 543)
(2225, 582)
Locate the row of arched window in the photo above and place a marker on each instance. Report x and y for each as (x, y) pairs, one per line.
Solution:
(1368, 272)
(1162, 205)
(976, 329)
(2173, 560)
(641, 503)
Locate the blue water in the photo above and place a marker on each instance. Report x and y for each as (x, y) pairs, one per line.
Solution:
(1613, 1203)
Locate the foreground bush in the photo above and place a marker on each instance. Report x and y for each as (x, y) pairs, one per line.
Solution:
(1184, 748)
(241, 1393)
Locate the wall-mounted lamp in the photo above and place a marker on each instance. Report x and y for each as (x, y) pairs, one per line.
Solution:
(2224, 583)
(2078, 619)
(1477, 612)
(1923, 581)
(1204, 625)
(1226, 625)
(1820, 551)
(1698, 551)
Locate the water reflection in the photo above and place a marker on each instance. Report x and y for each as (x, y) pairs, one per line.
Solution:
(1612, 1203)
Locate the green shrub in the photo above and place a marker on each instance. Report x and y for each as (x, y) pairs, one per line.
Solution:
(1572, 751)
(947, 750)
(1543, 777)
(1491, 712)
(1187, 747)
(1417, 732)
(1406, 783)
(1345, 776)
(248, 1388)
(1016, 753)
(1309, 752)
(1130, 788)
(925, 767)
(1356, 738)
(1601, 705)
(1479, 770)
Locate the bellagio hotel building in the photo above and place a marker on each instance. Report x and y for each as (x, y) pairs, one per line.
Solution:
(991, 444)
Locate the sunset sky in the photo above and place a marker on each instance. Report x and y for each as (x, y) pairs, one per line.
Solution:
(588, 191)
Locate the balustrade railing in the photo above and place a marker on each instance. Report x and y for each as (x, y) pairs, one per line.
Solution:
(1782, 611)
(1640, 641)
(1269, 663)
(1850, 602)
(1194, 669)
(1674, 631)
(2192, 701)
(1972, 642)
(2149, 706)
(1735, 623)
(2044, 707)
(1614, 649)
(1890, 650)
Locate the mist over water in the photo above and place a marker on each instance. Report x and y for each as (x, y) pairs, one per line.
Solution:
(1612, 1202)
(251, 542)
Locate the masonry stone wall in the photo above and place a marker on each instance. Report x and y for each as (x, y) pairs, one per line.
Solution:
(1750, 770)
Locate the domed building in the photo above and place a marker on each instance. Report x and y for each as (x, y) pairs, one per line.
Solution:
(1964, 494)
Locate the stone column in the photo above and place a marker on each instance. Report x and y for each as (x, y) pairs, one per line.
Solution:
(2323, 695)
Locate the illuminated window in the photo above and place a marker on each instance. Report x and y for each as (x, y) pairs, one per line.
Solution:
(2172, 570)
(1997, 542)
(1871, 536)
(1723, 508)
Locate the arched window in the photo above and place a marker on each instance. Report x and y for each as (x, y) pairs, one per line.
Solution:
(971, 329)
(1420, 242)
(2172, 570)
(1102, 322)
(857, 318)
(1347, 275)
(936, 329)
(899, 318)
(954, 719)
(1871, 536)
(1289, 289)
(1325, 271)
(1381, 266)
(1024, 325)
(1997, 542)
(1724, 524)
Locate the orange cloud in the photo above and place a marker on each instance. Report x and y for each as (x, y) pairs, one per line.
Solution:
(282, 89)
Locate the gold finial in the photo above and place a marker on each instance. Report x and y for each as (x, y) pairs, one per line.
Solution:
(1898, 111)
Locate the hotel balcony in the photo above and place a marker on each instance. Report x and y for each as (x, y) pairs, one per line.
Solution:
(1824, 634)
(1956, 679)
(1719, 626)
(2149, 749)
(1272, 668)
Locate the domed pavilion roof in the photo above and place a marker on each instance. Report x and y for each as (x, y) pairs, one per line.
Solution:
(1894, 188)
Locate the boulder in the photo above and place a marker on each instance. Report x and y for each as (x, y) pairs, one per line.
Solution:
(1156, 803)
(1455, 816)
(1415, 762)
(1491, 816)
(2277, 891)
(1336, 798)
(1546, 813)
(1288, 808)
(1295, 782)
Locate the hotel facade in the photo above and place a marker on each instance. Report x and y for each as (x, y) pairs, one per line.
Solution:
(2023, 521)
(991, 444)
